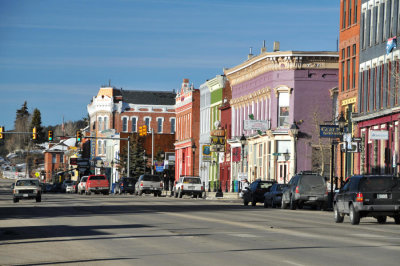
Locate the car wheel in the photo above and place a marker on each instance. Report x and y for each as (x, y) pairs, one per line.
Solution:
(155, 194)
(140, 193)
(253, 202)
(15, 200)
(292, 204)
(200, 196)
(176, 194)
(338, 217)
(265, 204)
(283, 204)
(39, 199)
(272, 203)
(381, 219)
(180, 194)
(300, 205)
(245, 201)
(354, 215)
(396, 219)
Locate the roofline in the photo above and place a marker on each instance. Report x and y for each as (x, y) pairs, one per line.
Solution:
(279, 54)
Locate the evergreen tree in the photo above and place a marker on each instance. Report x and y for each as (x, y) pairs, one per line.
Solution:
(136, 161)
(21, 124)
(37, 122)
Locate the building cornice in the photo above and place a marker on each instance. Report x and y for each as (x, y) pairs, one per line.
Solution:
(277, 61)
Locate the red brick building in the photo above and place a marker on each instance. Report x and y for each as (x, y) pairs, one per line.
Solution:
(187, 130)
(349, 50)
(114, 111)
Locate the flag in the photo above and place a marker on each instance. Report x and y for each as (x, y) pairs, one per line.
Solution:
(391, 44)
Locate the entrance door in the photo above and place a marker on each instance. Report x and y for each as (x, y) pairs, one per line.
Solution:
(283, 172)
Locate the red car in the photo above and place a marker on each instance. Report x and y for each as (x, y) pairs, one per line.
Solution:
(97, 184)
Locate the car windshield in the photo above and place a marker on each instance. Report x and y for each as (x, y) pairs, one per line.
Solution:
(191, 180)
(97, 177)
(84, 179)
(129, 180)
(312, 180)
(376, 183)
(27, 183)
(153, 178)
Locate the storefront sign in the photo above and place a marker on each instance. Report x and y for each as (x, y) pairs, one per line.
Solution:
(218, 133)
(206, 152)
(329, 131)
(379, 135)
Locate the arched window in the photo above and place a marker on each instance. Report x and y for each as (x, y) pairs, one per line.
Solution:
(172, 125)
(105, 123)
(104, 147)
(124, 124)
(99, 149)
(100, 127)
(134, 124)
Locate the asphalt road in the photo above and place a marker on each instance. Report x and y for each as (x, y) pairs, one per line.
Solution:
(127, 230)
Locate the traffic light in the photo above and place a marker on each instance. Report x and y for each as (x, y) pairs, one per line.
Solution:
(144, 130)
(1, 132)
(34, 133)
(78, 136)
(140, 131)
(50, 135)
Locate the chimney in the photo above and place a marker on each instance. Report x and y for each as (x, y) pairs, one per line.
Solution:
(250, 54)
(276, 46)
(263, 48)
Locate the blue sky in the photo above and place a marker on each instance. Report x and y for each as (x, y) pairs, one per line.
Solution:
(55, 54)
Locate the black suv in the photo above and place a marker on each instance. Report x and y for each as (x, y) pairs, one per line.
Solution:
(305, 188)
(125, 185)
(255, 192)
(368, 195)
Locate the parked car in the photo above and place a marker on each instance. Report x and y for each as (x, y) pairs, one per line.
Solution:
(188, 185)
(255, 192)
(368, 195)
(97, 184)
(273, 197)
(57, 187)
(70, 187)
(149, 184)
(125, 185)
(305, 188)
(82, 185)
(27, 188)
(64, 185)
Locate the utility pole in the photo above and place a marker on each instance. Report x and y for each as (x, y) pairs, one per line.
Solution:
(152, 151)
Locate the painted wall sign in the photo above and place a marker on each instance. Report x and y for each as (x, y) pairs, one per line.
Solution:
(256, 125)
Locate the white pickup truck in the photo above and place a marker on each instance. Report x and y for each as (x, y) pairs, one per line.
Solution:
(188, 185)
(27, 188)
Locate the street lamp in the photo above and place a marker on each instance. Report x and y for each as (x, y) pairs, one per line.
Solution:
(112, 174)
(294, 131)
(144, 161)
(342, 123)
(242, 142)
(194, 158)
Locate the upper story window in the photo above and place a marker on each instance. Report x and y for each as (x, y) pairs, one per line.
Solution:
(100, 127)
(344, 8)
(283, 112)
(105, 124)
(104, 147)
(160, 125)
(54, 158)
(147, 123)
(124, 124)
(99, 149)
(134, 124)
(172, 125)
